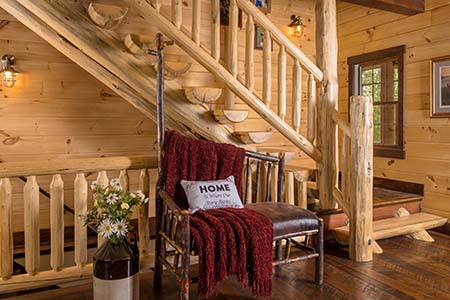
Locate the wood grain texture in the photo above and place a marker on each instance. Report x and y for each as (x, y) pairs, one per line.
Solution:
(31, 223)
(6, 231)
(57, 223)
(80, 207)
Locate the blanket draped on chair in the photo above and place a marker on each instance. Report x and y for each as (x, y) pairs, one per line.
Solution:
(228, 241)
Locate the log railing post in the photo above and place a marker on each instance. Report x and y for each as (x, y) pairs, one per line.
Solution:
(326, 45)
(31, 224)
(143, 224)
(57, 223)
(6, 232)
(267, 68)
(282, 82)
(297, 96)
(249, 53)
(80, 204)
(361, 172)
(215, 29)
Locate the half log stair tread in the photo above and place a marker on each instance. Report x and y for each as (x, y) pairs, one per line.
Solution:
(387, 228)
(253, 137)
(225, 116)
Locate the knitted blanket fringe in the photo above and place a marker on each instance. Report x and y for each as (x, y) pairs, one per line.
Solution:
(231, 242)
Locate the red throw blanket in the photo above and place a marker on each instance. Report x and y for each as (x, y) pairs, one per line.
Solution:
(228, 241)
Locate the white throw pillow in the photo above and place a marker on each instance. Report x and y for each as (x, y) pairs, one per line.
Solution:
(204, 195)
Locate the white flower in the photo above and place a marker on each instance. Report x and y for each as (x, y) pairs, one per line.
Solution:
(94, 185)
(133, 195)
(145, 201)
(140, 195)
(120, 228)
(112, 199)
(124, 206)
(106, 228)
(115, 183)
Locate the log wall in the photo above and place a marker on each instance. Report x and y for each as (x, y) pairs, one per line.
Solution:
(362, 30)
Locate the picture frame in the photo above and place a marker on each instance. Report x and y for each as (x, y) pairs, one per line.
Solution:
(259, 38)
(440, 87)
(264, 5)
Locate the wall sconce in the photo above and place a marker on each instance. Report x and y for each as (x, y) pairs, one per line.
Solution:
(296, 26)
(8, 73)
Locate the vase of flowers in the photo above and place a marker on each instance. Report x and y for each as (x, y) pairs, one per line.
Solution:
(116, 261)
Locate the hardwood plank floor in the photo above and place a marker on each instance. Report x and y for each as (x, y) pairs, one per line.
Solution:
(407, 270)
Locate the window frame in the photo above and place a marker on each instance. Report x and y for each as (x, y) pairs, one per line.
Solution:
(355, 64)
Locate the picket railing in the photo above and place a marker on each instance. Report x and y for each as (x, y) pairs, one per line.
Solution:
(79, 268)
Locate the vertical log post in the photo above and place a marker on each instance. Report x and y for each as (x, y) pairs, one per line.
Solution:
(231, 52)
(297, 96)
(81, 197)
(312, 107)
(57, 223)
(196, 16)
(267, 68)
(6, 232)
(103, 182)
(177, 13)
(144, 224)
(215, 29)
(282, 82)
(31, 224)
(361, 206)
(326, 47)
(249, 53)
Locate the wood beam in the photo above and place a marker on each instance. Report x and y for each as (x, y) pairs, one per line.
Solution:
(404, 7)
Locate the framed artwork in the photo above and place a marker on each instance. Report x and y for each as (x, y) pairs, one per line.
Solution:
(225, 14)
(264, 5)
(440, 87)
(259, 38)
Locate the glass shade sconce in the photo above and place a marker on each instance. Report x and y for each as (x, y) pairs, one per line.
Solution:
(8, 74)
(296, 26)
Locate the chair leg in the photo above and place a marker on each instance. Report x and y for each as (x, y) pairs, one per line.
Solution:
(318, 245)
(185, 281)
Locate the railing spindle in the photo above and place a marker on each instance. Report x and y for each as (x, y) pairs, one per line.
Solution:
(143, 224)
(124, 180)
(6, 232)
(312, 107)
(157, 4)
(267, 68)
(274, 183)
(80, 207)
(262, 184)
(215, 29)
(57, 223)
(177, 13)
(290, 189)
(233, 38)
(249, 53)
(31, 223)
(249, 183)
(297, 96)
(103, 182)
(282, 82)
(196, 14)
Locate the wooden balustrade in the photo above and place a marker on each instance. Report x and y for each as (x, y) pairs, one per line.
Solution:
(274, 38)
(31, 192)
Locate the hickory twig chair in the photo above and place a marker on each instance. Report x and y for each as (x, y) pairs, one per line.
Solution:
(173, 242)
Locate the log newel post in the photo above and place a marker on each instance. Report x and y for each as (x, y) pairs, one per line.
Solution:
(361, 174)
(326, 47)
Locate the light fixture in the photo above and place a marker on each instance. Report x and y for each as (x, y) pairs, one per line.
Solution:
(296, 26)
(8, 73)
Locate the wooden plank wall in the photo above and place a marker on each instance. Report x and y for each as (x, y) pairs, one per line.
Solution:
(57, 110)
(425, 35)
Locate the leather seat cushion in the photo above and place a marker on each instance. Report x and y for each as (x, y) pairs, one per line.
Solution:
(286, 218)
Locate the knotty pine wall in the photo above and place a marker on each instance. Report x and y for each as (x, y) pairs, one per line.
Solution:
(426, 36)
(57, 110)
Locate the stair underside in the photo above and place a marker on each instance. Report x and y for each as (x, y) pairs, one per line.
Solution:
(391, 227)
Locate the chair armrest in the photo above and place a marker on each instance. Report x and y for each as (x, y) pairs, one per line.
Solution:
(175, 224)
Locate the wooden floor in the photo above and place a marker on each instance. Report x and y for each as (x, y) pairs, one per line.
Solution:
(408, 269)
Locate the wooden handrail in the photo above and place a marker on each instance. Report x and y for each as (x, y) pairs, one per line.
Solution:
(276, 34)
(76, 165)
(342, 123)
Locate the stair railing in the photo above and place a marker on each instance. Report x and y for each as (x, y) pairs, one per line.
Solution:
(81, 268)
(169, 21)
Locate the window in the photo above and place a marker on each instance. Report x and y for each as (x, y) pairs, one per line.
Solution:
(380, 76)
